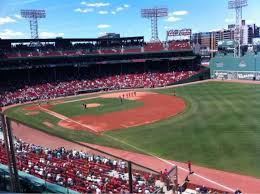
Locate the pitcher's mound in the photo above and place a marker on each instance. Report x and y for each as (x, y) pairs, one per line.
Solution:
(93, 105)
(32, 113)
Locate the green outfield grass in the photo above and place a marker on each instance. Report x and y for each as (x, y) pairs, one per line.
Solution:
(220, 129)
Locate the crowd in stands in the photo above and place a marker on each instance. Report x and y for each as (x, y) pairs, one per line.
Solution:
(48, 50)
(81, 171)
(92, 173)
(71, 87)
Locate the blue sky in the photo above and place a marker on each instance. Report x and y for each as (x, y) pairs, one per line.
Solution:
(91, 18)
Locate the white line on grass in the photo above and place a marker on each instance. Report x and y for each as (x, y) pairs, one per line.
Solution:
(166, 161)
(62, 117)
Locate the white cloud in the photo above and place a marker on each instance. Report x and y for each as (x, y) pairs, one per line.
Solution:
(103, 12)
(7, 33)
(173, 19)
(179, 13)
(103, 26)
(51, 34)
(215, 30)
(87, 10)
(229, 20)
(119, 9)
(99, 4)
(113, 12)
(102, 33)
(166, 27)
(6, 20)
(18, 16)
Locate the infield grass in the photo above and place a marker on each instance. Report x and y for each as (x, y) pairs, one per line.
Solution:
(220, 128)
(107, 105)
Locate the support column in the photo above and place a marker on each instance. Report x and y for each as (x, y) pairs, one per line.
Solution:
(130, 176)
(8, 138)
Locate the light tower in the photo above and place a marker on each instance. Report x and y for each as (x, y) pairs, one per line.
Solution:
(154, 14)
(33, 16)
(238, 6)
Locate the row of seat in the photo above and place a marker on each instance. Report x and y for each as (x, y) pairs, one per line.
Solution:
(149, 47)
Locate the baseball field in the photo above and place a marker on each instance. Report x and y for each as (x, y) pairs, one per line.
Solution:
(213, 124)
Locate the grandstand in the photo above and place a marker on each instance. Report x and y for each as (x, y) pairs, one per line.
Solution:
(80, 171)
(80, 47)
(62, 67)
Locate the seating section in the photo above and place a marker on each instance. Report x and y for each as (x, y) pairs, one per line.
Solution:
(153, 47)
(65, 88)
(82, 49)
(79, 171)
(132, 50)
(71, 53)
(110, 51)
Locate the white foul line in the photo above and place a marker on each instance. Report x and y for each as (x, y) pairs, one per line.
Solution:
(166, 161)
(62, 117)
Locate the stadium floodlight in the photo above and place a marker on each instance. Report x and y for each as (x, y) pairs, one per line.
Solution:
(33, 16)
(237, 5)
(154, 14)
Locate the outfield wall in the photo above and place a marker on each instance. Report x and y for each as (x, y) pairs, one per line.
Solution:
(238, 75)
(227, 67)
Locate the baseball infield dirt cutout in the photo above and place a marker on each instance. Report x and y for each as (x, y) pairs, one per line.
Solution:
(36, 107)
(155, 107)
(93, 105)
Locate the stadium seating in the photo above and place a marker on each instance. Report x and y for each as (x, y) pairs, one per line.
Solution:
(82, 49)
(79, 171)
(132, 50)
(153, 47)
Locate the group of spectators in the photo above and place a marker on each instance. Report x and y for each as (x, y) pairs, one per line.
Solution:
(73, 86)
(90, 173)
(86, 49)
(81, 171)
